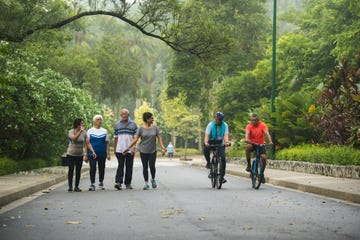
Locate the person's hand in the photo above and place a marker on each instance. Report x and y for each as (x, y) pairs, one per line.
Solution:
(126, 151)
(109, 157)
(86, 158)
(206, 144)
(163, 150)
(227, 144)
(94, 155)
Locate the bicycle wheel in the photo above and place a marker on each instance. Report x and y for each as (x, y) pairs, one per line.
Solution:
(219, 177)
(213, 170)
(256, 178)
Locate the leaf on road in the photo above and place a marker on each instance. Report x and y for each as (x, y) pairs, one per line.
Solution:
(202, 218)
(179, 211)
(167, 213)
(247, 228)
(73, 222)
(29, 226)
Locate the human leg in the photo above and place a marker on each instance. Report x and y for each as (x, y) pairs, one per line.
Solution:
(120, 169)
(78, 166)
(92, 163)
(101, 165)
(145, 162)
(71, 172)
(129, 163)
(223, 161)
(207, 156)
(249, 148)
(152, 161)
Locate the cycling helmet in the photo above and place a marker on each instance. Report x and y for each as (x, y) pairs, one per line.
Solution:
(219, 115)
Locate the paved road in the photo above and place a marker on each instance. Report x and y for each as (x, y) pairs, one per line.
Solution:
(182, 207)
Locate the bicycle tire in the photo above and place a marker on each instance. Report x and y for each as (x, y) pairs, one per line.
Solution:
(255, 172)
(213, 172)
(218, 174)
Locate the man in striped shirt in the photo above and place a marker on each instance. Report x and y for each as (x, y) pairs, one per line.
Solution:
(124, 131)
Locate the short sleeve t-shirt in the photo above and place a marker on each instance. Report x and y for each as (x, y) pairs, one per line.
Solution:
(218, 129)
(148, 139)
(256, 133)
(98, 139)
(75, 148)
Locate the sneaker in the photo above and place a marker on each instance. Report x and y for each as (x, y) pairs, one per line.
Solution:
(146, 186)
(101, 185)
(117, 186)
(224, 180)
(153, 183)
(77, 189)
(263, 179)
(207, 165)
(248, 168)
(70, 189)
(92, 187)
(128, 186)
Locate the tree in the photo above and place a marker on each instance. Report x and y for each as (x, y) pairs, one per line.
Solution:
(341, 104)
(179, 120)
(165, 20)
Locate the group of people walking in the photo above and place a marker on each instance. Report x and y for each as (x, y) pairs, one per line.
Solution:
(96, 143)
(93, 146)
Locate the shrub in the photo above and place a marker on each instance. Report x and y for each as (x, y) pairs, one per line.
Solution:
(340, 155)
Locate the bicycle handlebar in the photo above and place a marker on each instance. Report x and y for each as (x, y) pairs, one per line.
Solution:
(258, 144)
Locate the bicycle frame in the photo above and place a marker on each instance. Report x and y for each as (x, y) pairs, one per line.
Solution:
(216, 164)
(257, 169)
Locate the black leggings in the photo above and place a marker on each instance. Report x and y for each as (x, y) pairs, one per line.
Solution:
(148, 160)
(74, 161)
(101, 164)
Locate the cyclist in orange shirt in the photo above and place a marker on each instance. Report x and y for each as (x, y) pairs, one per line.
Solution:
(254, 133)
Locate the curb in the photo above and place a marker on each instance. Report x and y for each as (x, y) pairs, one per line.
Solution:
(25, 191)
(28, 190)
(336, 194)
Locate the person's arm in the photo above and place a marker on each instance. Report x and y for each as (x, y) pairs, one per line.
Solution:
(247, 133)
(206, 140)
(75, 136)
(267, 134)
(115, 143)
(132, 143)
(88, 146)
(163, 149)
(226, 139)
(108, 155)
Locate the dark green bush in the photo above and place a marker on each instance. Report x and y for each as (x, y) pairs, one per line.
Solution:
(9, 166)
(340, 155)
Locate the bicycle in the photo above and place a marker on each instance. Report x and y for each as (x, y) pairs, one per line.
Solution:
(257, 167)
(216, 164)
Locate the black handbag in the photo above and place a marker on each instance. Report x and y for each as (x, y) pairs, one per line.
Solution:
(64, 160)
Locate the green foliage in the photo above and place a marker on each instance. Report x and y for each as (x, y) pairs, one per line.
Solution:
(9, 166)
(295, 118)
(38, 107)
(189, 151)
(341, 103)
(340, 155)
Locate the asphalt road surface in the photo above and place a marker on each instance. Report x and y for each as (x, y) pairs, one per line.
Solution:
(183, 206)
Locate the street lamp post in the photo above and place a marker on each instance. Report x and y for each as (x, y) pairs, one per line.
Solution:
(273, 82)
